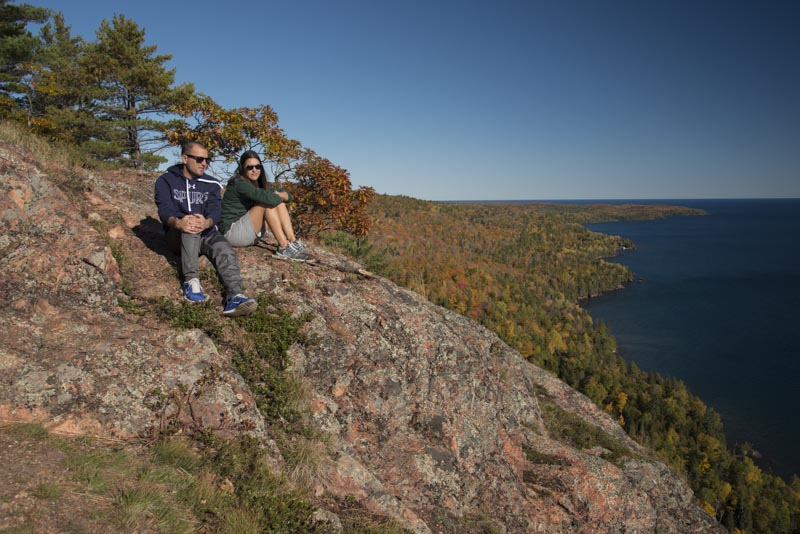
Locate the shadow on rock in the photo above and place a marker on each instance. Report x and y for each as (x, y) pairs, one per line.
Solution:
(150, 231)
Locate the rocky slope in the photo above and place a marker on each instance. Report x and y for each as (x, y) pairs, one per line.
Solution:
(434, 420)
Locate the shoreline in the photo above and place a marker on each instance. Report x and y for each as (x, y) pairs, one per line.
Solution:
(756, 425)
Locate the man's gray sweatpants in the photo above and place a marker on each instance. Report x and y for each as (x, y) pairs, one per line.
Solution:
(213, 246)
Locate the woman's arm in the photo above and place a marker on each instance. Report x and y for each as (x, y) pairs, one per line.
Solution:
(268, 197)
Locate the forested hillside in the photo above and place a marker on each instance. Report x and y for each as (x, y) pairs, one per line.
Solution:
(520, 269)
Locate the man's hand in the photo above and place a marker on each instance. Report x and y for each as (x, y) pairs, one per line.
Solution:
(194, 223)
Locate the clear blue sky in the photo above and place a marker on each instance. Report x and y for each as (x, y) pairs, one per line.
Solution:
(466, 100)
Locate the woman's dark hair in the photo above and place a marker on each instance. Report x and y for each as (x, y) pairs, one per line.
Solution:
(262, 176)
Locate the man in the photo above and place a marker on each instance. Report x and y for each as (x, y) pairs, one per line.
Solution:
(189, 206)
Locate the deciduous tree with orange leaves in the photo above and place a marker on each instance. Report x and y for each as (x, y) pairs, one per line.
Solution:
(323, 195)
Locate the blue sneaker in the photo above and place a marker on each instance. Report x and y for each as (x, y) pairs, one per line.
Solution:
(239, 305)
(192, 291)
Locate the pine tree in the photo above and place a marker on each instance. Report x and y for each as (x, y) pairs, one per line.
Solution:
(136, 94)
(60, 100)
(18, 48)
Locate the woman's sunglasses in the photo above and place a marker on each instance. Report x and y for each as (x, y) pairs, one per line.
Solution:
(251, 167)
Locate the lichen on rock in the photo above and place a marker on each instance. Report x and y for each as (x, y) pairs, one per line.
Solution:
(433, 420)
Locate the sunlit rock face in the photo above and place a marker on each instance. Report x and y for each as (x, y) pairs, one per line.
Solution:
(433, 420)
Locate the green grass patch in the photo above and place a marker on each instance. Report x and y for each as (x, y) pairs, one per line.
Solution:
(537, 457)
(308, 458)
(99, 469)
(184, 316)
(20, 529)
(232, 488)
(127, 489)
(124, 263)
(47, 491)
(570, 428)
(259, 349)
(47, 150)
(33, 431)
(162, 474)
(268, 499)
(261, 358)
(143, 507)
(177, 453)
(241, 521)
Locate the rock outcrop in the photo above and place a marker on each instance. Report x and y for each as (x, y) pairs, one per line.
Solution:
(435, 420)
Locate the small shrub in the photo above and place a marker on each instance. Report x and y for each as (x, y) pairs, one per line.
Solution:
(307, 459)
(261, 358)
(98, 469)
(241, 521)
(29, 430)
(184, 316)
(47, 491)
(536, 457)
(142, 507)
(358, 248)
(356, 519)
(176, 453)
(279, 508)
(571, 428)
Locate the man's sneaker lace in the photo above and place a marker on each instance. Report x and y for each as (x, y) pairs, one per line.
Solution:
(239, 305)
(298, 245)
(192, 291)
(290, 253)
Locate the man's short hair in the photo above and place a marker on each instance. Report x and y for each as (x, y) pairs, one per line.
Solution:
(189, 145)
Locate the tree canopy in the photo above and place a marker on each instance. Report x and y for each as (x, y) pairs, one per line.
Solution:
(135, 91)
(18, 49)
(322, 190)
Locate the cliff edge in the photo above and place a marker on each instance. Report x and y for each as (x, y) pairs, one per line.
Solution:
(433, 419)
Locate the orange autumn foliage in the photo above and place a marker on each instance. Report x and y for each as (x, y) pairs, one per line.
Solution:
(323, 195)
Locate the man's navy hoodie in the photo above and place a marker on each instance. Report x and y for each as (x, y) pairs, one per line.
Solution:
(176, 197)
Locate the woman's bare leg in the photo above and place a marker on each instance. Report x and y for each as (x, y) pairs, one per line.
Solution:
(273, 219)
(256, 214)
(286, 221)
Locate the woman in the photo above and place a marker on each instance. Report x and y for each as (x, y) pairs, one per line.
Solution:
(248, 206)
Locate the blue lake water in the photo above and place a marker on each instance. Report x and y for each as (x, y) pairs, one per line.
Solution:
(715, 304)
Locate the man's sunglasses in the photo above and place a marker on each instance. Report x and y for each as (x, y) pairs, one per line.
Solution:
(251, 167)
(198, 159)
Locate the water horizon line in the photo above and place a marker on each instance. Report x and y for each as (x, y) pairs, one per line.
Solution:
(619, 200)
